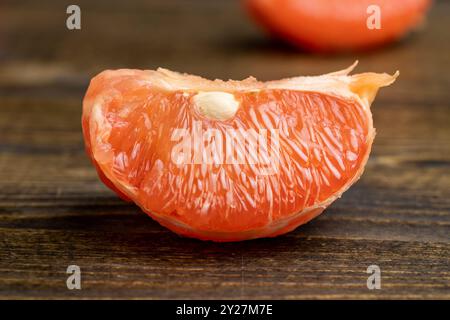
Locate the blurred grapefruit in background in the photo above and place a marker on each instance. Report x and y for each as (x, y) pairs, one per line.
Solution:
(162, 139)
(338, 25)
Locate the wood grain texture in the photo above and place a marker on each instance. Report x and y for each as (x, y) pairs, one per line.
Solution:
(54, 211)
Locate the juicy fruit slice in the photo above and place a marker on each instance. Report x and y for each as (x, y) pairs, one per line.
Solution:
(232, 160)
(336, 25)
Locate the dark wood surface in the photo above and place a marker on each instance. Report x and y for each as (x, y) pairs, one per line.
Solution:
(54, 211)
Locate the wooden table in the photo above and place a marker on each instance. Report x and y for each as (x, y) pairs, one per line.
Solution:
(55, 212)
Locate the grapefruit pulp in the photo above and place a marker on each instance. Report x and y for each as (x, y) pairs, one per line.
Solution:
(229, 160)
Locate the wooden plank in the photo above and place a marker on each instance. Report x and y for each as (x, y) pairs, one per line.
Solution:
(54, 211)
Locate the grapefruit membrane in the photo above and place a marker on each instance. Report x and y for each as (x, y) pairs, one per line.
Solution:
(230, 160)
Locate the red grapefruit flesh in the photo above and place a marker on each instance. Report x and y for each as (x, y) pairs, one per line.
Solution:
(234, 160)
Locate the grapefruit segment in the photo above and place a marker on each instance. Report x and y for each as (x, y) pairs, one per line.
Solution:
(229, 160)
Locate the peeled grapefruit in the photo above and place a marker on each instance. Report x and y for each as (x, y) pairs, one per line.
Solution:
(337, 25)
(229, 160)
